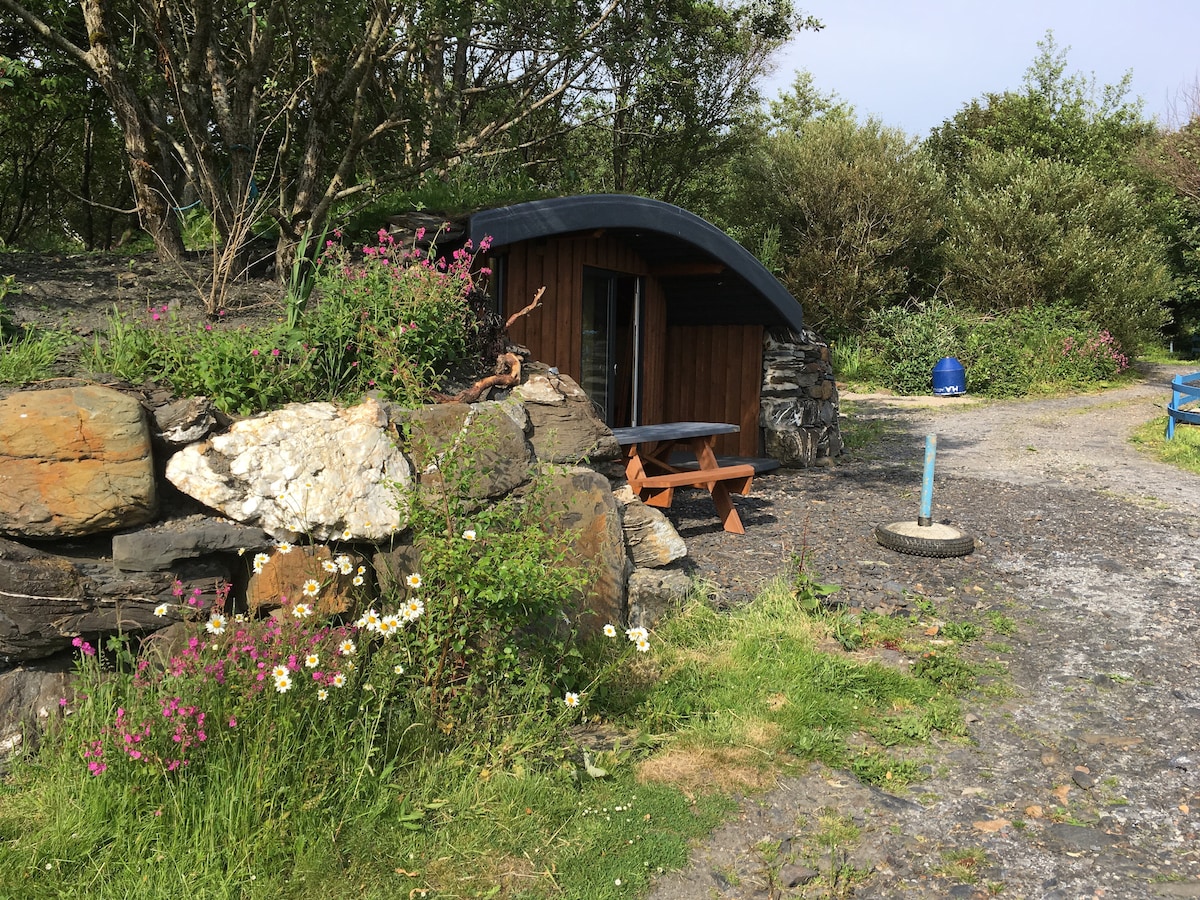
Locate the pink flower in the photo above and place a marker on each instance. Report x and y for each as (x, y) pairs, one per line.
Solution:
(275, 352)
(254, 352)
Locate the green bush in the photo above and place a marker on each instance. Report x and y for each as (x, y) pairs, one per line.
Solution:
(31, 353)
(8, 285)
(397, 323)
(243, 370)
(1045, 348)
(909, 340)
(1024, 232)
(855, 209)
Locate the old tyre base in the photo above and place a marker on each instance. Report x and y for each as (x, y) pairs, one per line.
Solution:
(936, 540)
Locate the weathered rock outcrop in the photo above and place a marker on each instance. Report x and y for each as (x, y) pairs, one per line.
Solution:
(581, 500)
(655, 593)
(46, 599)
(308, 469)
(566, 428)
(160, 546)
(650, 538)
(283, 578)
(28, 700)
(499, 457)
(313, 474)
(74, 461)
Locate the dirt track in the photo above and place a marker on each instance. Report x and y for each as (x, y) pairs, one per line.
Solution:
(1085, 782)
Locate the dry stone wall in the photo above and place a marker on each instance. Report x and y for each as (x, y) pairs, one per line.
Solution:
(109, 551)
(799, 406)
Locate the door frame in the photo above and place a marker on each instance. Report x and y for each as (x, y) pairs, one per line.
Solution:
(618, 288)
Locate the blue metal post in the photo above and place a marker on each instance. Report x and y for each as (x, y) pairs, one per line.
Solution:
(1173, 406)
(926, 516)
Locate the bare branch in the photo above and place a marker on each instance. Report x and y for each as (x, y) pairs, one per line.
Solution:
(537, 301)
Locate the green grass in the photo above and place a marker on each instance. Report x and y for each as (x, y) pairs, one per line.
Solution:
(1164, 354)
(857, 432)
(33, 354)
(309, 806)
(1183, 451)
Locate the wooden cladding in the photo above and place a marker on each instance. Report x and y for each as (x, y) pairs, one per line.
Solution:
(554, 332)
(710, 373)
(714, 374)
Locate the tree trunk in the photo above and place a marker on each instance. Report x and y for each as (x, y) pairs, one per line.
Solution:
(148, 170)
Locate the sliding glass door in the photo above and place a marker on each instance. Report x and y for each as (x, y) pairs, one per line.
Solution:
(610, 370)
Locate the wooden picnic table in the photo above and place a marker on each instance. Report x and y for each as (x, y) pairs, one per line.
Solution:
(653, 477)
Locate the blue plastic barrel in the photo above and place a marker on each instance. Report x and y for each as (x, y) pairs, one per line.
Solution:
(949, 377)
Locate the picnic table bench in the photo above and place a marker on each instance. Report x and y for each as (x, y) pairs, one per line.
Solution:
(654, 478)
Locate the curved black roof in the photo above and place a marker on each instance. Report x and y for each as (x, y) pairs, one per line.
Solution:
(665, 235)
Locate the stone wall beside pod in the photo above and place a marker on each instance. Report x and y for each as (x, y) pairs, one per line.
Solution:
(192, 497)
(798, 410)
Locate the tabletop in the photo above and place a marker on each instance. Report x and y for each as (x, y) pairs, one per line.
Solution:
(671, 431)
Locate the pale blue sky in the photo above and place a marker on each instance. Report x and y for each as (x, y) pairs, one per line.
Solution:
(914, 63)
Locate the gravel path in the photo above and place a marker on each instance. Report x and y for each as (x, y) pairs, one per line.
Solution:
(1085, 780)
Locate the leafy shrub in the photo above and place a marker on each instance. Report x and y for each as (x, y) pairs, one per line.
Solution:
(909, 340)
(8, 285)
(504, 578)
(397, 323)
(854, 205)
(1042, 348)
(1027, 232)
(243, 369)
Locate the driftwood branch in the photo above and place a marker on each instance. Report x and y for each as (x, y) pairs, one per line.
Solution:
(508, 367)
(537, 301)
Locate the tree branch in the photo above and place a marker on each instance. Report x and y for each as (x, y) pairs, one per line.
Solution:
(48, 35)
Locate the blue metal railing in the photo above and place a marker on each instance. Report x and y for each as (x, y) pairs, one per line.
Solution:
(1185, 390)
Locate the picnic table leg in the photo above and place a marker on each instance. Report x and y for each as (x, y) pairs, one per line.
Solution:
(635, 471)
(730, 520)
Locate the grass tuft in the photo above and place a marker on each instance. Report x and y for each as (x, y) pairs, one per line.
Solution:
(1182, 451)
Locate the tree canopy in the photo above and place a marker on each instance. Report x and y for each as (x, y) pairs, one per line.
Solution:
(285, 108)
